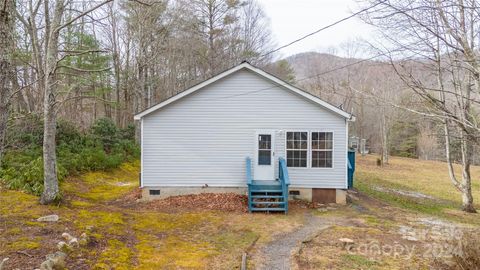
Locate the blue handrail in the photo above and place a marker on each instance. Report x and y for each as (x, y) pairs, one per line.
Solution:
(284, 180)
(249, 170)
(283, 171)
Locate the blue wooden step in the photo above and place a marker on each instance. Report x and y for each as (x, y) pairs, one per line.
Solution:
(266, 196)
(268, 202)
(265, 182)
(272, 188)
(267, 209)
(265, 191)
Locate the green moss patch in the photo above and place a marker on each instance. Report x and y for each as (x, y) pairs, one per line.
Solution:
(172, 252)
(117, 255)
(23, 243)
(105, 185)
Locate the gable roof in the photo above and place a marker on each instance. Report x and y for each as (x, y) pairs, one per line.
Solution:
(248, 66)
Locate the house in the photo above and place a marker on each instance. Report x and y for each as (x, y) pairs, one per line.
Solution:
(245, 126)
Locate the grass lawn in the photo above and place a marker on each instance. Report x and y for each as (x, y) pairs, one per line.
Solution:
(428, 178)
(405, 216)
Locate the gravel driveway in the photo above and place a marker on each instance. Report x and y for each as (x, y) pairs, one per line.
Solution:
(277, 254)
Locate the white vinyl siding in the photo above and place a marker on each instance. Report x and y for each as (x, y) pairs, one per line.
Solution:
(204, 137)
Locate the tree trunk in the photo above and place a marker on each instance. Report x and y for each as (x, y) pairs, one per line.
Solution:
(50, 180)
(7, 11)
(467, 198)
(384, 137)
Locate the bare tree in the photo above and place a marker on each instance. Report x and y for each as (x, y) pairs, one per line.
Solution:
(439, 38)
(7, 45)
(54, 24)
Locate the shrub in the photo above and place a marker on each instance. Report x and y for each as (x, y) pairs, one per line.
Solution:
(103, 147)
(128, 133)
(29, 176)
(25, 132)
(105, 131)
(67, 133)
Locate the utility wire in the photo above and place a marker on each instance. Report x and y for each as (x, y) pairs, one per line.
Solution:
(321, 29)
(306, 78)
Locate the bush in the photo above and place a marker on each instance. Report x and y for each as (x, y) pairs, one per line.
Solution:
(29, 176)
(105, 131)
(25, 132)
(103, 147)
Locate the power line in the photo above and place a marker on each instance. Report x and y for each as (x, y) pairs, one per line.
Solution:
(305, 78)
(321, 29)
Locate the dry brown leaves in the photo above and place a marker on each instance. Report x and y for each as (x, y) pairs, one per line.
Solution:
(229, 202)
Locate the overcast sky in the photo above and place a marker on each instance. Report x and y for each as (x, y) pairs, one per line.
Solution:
(292, 19)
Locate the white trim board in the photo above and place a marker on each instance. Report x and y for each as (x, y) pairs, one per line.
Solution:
(258, 71)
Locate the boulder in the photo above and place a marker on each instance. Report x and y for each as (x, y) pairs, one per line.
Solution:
(83, 240)
(49, 218)
(46, 265)
(347, 243)
(67, 236)
(55, 261)
(62, 246)
(74, 243)
(3, 262)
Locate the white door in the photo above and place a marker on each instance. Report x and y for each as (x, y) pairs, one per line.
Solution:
(264, 157)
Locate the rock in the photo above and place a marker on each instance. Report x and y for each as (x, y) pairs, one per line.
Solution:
(347, 243)
(74, 243)
(3, 262)
(346, 240)
(353, 197)
(67, 236)
(49, 218)
(83, 241)
(411, 238)
(331, 208)
(46, 265)
(54, 261)
(62, 246)
(322, 210)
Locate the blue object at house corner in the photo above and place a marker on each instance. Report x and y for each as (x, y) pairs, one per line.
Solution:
(351, 168)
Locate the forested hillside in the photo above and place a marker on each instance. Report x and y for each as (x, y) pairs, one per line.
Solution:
(379, 99)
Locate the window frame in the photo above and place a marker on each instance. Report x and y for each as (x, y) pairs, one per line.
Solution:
(271, 134)
(308, 148)
(311, 150)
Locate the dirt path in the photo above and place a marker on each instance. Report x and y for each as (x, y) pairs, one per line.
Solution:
(277, 254)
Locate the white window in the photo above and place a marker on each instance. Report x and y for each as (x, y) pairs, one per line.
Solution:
(297, 149)
(322, 149)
